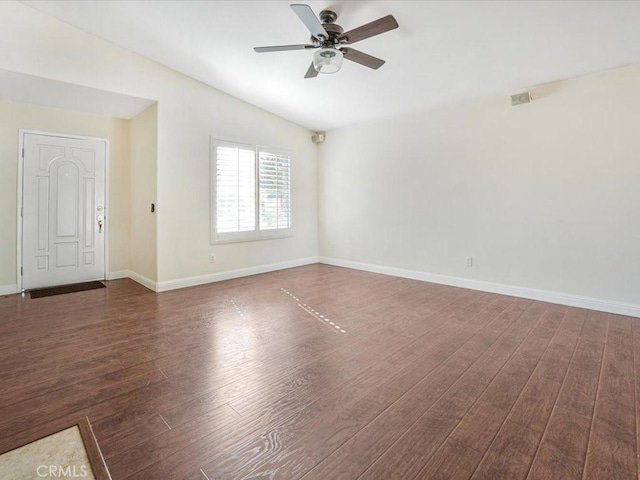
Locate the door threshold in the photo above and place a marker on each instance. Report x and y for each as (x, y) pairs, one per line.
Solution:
(62, 289)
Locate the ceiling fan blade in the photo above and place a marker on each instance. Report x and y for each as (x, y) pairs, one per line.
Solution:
(311, 72)
(310, 20)
(376, 27)
(282, 48)
(362, 58)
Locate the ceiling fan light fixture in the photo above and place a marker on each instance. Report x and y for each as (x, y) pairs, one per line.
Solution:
(327, 60)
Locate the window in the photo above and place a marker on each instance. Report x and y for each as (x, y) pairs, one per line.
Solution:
(251, 192)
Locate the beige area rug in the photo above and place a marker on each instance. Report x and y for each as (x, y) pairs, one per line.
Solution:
(61, 455)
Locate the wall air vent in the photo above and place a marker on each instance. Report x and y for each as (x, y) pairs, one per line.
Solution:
(520, 98)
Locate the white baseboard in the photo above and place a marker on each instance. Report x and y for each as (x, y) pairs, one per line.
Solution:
(609, 306)
(118, 275)
(144, 281)
(242, 272)
(8, 289)
(210, 278)
(136, 277)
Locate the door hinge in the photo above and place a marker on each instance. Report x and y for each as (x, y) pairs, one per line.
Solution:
(21, 271)
(23, 153)
(22, 211)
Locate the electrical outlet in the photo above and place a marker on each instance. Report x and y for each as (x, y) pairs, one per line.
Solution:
(333, 246)
(468, 261)
(212, 258)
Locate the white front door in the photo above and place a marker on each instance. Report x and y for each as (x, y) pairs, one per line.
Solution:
(63, 216)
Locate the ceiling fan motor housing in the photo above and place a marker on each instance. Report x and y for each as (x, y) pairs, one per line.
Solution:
(328, 17)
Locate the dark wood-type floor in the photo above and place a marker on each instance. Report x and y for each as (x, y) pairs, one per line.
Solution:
(236, 380)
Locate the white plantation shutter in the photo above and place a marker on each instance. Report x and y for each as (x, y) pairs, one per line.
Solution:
(251, 192)
(274, 180)
(235, 169)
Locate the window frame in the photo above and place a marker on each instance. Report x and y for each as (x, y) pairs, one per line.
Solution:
(256, 234)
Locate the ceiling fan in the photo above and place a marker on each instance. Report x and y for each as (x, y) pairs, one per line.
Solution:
(330, 40)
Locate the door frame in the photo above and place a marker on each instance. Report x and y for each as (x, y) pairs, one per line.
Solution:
(20, 199)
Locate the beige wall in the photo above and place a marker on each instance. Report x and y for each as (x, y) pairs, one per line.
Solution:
(189, 112)
(184, 183)
(144, 151)
(544, 196)
(14, 116)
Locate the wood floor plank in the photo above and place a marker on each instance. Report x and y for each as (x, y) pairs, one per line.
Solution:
(235, 380)
(563, 449)
(370, 346)
(578, 392)
(510, 455)
(612, 447)
(411, 451)
(339, 424)
(358, 401)
(221, 450)
(611, 453)
(216, 422)
(480, 425)
(515, 445)
(537, 399)
(76, 397)
(362, 450)
(453, 461)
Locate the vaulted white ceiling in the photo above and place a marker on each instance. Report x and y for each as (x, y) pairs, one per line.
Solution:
(443, 52)
(19, 87)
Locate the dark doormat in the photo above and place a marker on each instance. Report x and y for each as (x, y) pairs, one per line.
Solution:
(76, 287)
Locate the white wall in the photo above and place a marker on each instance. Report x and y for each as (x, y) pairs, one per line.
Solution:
(188, 113)
(184, 183)
(14, 116)
(544, 196)
(144, 154)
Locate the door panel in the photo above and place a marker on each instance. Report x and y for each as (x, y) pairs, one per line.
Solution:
(63, 196)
